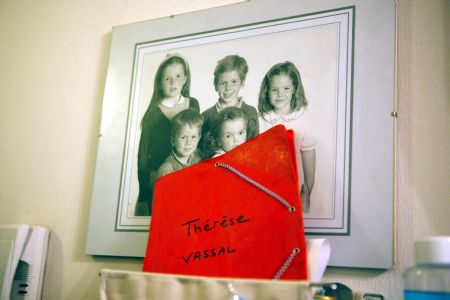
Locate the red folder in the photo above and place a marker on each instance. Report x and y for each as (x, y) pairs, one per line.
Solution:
(237, 215)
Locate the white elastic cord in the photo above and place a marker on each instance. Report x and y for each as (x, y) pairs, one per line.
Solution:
(258, 185)
(286, 264)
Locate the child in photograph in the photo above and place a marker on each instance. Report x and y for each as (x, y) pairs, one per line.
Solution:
(228, 130)
(282, 101)
(170, 96)
(229, 79)
(185, 135)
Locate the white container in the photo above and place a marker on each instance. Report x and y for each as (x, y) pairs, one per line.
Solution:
(429, 279)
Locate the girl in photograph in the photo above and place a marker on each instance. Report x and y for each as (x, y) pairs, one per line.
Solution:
(228, 130)
(282, 101)
(170, 96)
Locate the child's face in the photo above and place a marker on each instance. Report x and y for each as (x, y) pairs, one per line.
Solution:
(186, 141)
(233, 133)
(173, 80)
(281, 90)
(228, 86)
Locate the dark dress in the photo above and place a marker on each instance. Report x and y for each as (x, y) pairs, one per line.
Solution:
(154, 148)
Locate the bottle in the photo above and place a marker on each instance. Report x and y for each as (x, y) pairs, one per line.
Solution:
(429, 279)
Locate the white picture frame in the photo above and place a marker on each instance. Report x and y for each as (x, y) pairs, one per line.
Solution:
(347, 62)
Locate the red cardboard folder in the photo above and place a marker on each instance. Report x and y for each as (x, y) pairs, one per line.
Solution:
(237, 215)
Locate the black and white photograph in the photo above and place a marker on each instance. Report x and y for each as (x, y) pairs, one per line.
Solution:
(196, 97)
(184, 89)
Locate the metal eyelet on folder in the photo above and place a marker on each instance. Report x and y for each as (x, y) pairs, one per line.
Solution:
(257, 184)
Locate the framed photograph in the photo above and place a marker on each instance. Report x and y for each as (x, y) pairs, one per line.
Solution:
(344, 55)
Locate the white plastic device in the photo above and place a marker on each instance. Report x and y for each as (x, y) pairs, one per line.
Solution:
(23, 252)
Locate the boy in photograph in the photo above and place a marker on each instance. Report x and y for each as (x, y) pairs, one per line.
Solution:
(229, 78)
(185, 134)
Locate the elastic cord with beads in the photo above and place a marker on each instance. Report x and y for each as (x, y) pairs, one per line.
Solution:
(257, 184)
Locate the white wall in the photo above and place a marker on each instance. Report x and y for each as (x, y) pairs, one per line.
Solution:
(53, 60)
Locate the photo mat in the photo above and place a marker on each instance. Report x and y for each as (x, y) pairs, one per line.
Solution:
(319, 45)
